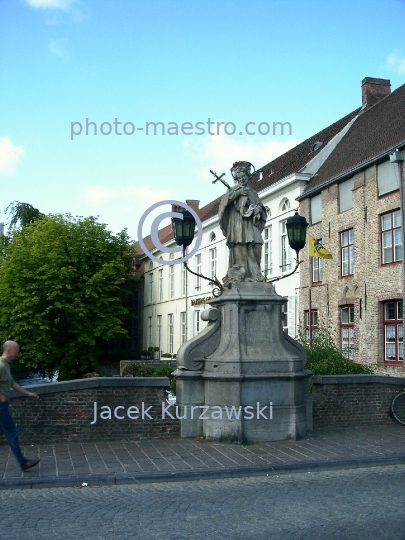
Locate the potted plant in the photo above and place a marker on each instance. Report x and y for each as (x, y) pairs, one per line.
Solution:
(156, 353)
(145, 355)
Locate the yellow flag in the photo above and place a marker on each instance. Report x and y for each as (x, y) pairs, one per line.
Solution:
(316, 249)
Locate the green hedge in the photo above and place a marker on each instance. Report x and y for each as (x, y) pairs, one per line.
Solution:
(137, 370)
(324, 358)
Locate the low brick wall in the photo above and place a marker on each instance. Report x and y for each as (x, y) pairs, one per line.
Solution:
(64, 411)
(341, 401)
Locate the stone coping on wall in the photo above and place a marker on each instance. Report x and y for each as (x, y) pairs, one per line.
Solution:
(358, 379)
(93, 382)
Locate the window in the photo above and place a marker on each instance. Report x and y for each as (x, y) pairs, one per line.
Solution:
(316, 208)
(197, 322)
(317, 267)
(284, 310)
(213, 263)
(183, 280)
(285, 206)
(160, 283)
(149, 331)
(171, 281)
(198, 271)
(150, 288)
(387, 180)
(183, 328)
(391, 237)
(347, 331)
(268, 251)
(346, 195)
(171, 333)
(311, 326)
(393, 325)
(212, 237)
(286, 255)
(347, 252)
(159, 318)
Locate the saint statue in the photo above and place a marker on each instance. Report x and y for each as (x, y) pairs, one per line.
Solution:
(242, 218)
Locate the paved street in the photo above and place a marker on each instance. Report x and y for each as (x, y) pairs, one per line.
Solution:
(334, 505)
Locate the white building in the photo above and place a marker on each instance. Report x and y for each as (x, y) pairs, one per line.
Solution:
(174, 299)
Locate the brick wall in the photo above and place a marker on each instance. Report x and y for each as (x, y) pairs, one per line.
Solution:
(341, 401)
(372, 283)
(64, 411)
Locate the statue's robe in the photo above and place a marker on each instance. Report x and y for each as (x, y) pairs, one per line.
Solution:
(242, 234)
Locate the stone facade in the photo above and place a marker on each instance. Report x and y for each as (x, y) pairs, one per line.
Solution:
(64, 411)
(372, 282)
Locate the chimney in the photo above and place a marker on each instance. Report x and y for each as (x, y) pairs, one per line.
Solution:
(372, 90)
(195, 205)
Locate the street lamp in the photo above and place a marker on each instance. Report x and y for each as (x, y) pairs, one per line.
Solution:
(296, 226)
(183, 229)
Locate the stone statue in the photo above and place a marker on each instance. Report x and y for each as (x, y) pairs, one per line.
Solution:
(242, 218)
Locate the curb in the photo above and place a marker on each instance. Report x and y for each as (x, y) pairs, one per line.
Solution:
(93, 480)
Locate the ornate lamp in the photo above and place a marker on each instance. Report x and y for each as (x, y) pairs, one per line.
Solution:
(183, 228)
(296, 226)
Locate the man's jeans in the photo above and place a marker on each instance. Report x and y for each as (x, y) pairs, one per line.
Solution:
(8, 427)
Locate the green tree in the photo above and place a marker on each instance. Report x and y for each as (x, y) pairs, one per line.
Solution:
(21, 214)
(62, 281)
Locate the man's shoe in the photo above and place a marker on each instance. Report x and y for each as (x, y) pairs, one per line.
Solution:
(28, 464)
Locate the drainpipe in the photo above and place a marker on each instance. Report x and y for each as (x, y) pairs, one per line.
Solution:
(398, 158)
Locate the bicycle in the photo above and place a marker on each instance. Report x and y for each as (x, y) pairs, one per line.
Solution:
(398, 407)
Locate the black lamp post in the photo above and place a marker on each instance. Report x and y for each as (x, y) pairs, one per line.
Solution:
(183, 230)
(296, 226)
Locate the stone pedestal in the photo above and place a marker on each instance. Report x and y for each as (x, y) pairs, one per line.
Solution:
(242, 374)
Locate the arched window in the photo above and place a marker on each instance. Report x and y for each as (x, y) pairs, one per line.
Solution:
(268, 213)
(212, 237)
(285, 205)
(151, 265)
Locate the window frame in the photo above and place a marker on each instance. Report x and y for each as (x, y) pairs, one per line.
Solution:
(213, 263)
(397, 323)
(198, 271)
(286, 252)
(170, 333)
(183, 327)
(171, 281)
(347, 350)
(314, 323)
(345, 248)
(384, 232)
(160, 285)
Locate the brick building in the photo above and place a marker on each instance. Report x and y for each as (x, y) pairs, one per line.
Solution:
(353, 206)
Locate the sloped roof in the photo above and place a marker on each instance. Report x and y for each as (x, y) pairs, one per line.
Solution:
(376, 131)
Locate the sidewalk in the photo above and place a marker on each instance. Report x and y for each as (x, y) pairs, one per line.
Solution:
(103, 463)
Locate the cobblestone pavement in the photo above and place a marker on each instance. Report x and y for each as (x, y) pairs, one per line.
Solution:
(333, 505)
(136, 458)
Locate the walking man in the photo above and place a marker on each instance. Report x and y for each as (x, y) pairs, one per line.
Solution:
(7, 424)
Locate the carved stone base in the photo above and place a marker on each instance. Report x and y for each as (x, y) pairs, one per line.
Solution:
(243, 375)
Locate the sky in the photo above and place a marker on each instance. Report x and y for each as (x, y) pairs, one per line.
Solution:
(179, 62)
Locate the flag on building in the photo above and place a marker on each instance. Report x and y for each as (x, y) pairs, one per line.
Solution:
(316, 249)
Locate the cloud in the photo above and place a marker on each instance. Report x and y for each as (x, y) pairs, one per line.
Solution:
(58, 47)
(395, 62)
(218, 152)
(128, 202)
(9, 156)
(57, 6)
(64, 5)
